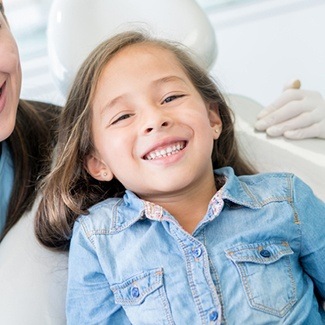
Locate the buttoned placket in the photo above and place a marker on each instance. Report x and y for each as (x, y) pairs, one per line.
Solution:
(199, 277)
(196, 259)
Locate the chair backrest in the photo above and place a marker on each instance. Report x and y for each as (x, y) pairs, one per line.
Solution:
(305, 158)
(76, 27)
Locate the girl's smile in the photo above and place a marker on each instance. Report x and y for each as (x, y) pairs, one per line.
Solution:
(162, 151)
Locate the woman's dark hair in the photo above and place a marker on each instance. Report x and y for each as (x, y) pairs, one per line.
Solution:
(31, 144)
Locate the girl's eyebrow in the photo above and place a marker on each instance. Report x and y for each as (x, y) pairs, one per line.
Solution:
(156, 83)
(110, 104)
(169, 79)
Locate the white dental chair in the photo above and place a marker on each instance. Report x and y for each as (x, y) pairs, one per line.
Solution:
(32, 279)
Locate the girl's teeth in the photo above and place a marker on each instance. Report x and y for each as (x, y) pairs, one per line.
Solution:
(171, 150)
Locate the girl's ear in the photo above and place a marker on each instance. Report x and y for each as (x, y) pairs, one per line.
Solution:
(215, 120)
(98, 169)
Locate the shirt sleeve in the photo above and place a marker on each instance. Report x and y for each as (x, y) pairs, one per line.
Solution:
(89, 298)
(311, 216)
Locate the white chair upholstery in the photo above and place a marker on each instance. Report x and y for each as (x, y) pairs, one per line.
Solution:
(73, 34)
(32, 279)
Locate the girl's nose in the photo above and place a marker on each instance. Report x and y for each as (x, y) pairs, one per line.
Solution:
(153, 128)
(156, 121)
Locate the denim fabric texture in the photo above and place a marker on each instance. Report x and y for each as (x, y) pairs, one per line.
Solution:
(257, 257)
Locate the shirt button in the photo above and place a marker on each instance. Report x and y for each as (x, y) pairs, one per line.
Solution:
(214, 316)
(265, 253)
(135, 293)
(197, 252)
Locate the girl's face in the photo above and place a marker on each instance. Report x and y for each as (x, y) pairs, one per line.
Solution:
(151, 128)
(10, 79)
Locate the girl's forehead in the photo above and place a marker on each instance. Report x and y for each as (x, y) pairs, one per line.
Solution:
(142, 49)
(144, 54)
(139, 65)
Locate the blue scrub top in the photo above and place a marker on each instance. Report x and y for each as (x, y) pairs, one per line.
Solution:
(6, 182)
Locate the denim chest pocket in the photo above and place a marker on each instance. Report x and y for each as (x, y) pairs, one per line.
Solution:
(266, 275)
(143, 298)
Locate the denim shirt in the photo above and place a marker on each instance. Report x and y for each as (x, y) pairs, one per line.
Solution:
(257, 257)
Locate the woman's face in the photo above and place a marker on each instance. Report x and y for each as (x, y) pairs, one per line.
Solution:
(10, 78)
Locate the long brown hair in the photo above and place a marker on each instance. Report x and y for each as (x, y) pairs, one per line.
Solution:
(69, 190)
(30, 143)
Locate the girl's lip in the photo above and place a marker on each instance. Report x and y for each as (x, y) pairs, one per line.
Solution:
(2, 96)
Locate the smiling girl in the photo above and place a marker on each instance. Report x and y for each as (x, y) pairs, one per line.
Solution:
(174, 228)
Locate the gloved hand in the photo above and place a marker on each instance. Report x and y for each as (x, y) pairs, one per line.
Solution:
(295, 114)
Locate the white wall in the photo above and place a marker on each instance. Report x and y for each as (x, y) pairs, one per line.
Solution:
(262, 44)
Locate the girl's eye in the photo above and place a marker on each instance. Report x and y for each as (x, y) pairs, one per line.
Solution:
(171, 98)
(121, 118)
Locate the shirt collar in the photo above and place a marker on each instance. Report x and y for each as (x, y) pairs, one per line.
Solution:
(233, 191)
(236, 191)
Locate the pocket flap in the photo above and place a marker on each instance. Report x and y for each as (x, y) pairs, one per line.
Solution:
(135, 289)
(263, 253)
